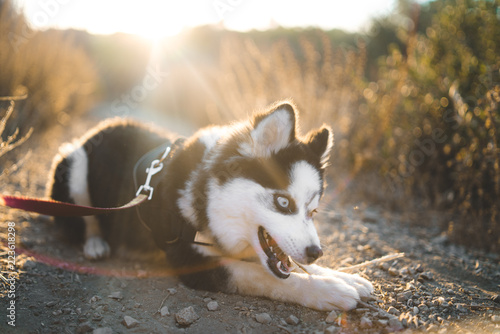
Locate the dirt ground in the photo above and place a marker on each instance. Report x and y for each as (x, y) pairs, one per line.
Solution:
(435, 287)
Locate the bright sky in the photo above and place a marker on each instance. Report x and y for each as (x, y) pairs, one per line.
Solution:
(156, 18)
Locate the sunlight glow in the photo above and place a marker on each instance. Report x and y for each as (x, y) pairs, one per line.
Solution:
(155, 19)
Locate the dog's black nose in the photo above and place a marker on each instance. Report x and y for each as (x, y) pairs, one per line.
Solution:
(313, 253)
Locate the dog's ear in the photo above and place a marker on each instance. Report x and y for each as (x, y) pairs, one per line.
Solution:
(273, 131)
(321, 143)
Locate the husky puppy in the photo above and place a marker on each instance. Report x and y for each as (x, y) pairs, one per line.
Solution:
(249, 190)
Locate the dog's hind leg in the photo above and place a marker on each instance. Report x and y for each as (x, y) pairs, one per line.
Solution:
(95, 246)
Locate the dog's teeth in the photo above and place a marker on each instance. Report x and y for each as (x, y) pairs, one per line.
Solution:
(282, 267)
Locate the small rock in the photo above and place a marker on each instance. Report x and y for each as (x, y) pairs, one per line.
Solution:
(263, 318)
(29, 264)
(332, 316)
(383, 322)
(103, 330)
(51, 303)
(423, 308)
(415, 310)
(427, 275)
(213, 306)
(94, 299)
(207, 300)
(495, 319)
(116, 295)
(362, 310)
(370, 217)
(186, 316)
(332, 330)
(394, 311)
(462, 308)
(129, 322)
(365, 322)
(292, 320)
(172, 291)
(84, 328)
(57, 312)
(410, 286)
(395, 324)
(496, 299)
(164, 311)
(439, 301)
(404, 296)
(393, 271)
(384, 266)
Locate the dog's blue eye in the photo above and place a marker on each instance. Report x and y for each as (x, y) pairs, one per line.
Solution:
(284, 204)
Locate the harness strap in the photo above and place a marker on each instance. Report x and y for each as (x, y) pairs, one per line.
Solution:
(155, 157)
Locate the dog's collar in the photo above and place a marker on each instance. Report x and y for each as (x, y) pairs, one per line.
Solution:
(162, 154)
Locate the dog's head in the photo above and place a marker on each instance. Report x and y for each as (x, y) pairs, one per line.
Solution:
(271, 191)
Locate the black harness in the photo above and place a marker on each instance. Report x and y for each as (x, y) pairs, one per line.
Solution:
(148, 172)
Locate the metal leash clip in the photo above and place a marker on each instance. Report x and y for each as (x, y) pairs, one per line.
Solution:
(155, 167)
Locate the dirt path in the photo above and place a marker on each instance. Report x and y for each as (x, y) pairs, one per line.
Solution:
(435, 287)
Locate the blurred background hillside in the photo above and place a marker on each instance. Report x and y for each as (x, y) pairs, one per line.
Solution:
(413, 98)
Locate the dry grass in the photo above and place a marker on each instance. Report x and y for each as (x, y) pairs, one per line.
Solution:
(8, 271)
(57, 77)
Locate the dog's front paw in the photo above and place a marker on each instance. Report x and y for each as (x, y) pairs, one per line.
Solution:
(362, 286)
(325, 293)
(96, 248)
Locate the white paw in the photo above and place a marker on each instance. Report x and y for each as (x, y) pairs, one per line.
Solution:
(325, 293)
(362, 286)
(96, 248)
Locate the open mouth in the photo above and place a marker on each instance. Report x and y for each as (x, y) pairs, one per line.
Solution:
(279, 263)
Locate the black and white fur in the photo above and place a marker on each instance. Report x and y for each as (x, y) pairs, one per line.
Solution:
(250, 189)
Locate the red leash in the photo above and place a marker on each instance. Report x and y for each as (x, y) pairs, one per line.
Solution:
(61, 209)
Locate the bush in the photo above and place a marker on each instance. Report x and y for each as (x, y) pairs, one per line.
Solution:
(57, 77)
(448, 119)
(427, 125)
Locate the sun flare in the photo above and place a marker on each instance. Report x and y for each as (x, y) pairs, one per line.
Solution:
(152, 23)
